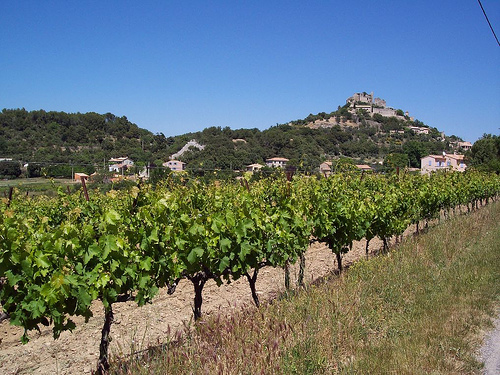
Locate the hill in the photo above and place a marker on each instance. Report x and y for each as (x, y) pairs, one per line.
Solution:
(63, 137)
(364, 129)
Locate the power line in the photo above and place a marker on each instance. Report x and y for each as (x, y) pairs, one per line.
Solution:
(487, 20)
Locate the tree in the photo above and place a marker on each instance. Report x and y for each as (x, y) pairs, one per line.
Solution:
(415, 151)
(159, 174)
(485, 154)
(395, 160)
(10, 169)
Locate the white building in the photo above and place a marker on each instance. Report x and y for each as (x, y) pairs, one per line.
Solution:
(277, 162)
(254, 167)
(119, 164)
(465, 145)
(419, 129)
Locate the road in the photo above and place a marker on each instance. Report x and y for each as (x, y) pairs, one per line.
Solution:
(490, 351)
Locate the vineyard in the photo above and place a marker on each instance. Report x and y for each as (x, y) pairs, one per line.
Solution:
(59, 255)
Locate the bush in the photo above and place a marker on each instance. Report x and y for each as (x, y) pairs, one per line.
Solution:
(10, 169)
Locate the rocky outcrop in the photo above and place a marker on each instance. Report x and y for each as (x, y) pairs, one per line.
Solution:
(186, 147)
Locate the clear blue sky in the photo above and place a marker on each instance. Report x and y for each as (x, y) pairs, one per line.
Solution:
(180, 66)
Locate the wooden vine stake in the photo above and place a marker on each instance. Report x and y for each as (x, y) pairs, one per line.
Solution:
(11, 189)
(244, 183)
(84, 188)
(290, 171)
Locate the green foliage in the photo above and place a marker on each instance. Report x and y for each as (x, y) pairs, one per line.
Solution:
(338, 215)
(57, 170)
(57, 138)
(415, 151)
(395, 160)
(157, 175)
(485, 154)
(58, 255)
(374, 320)
(10, 169)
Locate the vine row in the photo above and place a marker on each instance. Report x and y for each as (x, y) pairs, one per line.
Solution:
(58, 255)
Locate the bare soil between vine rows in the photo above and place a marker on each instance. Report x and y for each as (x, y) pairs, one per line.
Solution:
(135, 328)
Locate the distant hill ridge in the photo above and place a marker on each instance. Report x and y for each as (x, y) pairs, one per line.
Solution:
(361, 129)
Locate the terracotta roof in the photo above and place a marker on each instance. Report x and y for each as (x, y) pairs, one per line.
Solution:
(457, 157)
(437, 157)
(277, 159)
(118, 160)
(443, 158)
(363, 166)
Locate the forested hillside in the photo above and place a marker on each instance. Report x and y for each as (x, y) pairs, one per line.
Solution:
(92, 138)
(76, 137)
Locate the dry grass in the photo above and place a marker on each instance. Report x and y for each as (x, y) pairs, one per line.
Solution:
(419, 309)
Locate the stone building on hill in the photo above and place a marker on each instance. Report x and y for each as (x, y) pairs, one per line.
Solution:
(367, 102)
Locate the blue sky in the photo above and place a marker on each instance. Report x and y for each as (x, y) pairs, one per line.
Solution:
(180, 66)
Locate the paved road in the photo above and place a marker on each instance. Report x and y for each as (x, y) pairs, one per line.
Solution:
(490, 351)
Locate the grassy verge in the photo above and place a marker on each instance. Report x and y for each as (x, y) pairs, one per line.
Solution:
(418, 310)
(50, 186)
(35, 186)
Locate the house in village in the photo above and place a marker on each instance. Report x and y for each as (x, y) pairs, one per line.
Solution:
(254, 167)
(175, 165)
(79, 176)
(277, 162)
(461, 146)
(419, 129)
(364, 167)
(433, 163)
(466, 146)
(120, 164)
(326, 168)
